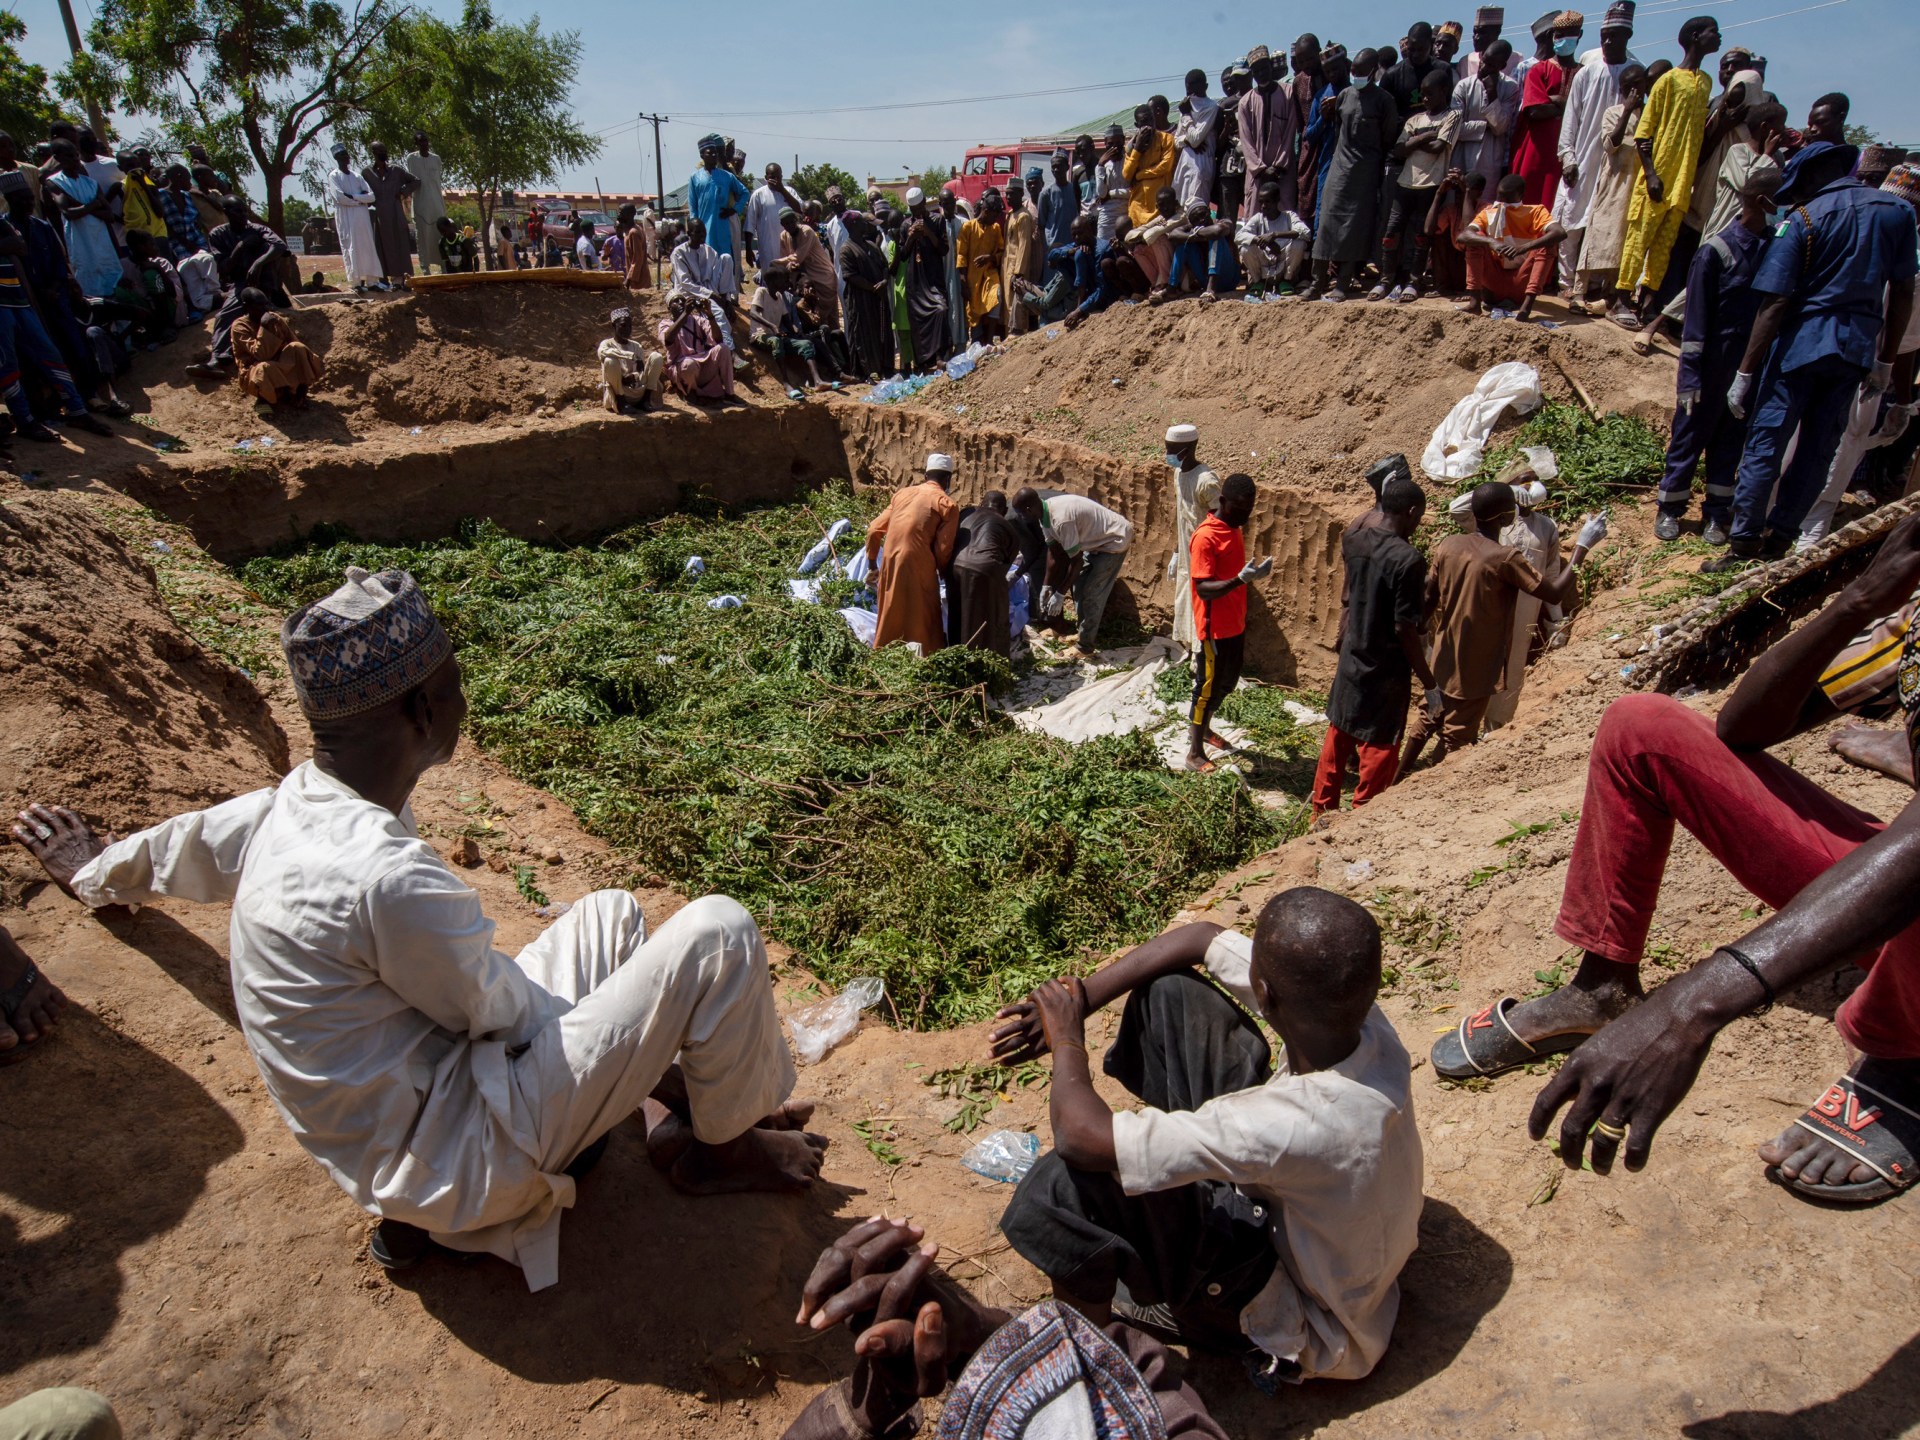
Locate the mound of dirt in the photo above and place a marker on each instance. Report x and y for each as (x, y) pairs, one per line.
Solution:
(1302, 394)
(106, 704)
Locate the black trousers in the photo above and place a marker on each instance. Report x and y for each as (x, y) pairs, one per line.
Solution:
(1216, 671)
(1203, 1250)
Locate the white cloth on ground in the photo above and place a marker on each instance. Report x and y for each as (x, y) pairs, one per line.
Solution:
(1459, 440)
(437, 1080)
(1335, 1157)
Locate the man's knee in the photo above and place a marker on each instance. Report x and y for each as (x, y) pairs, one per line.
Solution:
(721, 926)
(1638, 724)
(61, 1414)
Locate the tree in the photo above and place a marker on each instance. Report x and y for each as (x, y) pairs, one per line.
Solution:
(493, 99)
(1860, 135)
(934, 177)
(26, 108)
(811, 182)
(254, 81)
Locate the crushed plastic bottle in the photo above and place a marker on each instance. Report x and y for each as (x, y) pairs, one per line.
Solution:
(695, 566)
(555, 910)
(818, 1027)
(1005, 1155)
(725, 602)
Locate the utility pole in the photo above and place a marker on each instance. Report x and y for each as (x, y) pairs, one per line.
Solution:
(94, 117)
(659, 179)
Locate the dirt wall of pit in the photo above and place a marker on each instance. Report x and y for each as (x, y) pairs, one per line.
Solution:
(568, 485)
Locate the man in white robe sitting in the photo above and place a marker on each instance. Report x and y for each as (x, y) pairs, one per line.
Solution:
(445, 1086)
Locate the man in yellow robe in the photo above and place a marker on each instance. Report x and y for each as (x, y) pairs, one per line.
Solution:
(1672, 129)
(981, 251)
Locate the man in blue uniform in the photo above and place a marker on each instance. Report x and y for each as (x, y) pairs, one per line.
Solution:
(1843, 250)
(1721, 306)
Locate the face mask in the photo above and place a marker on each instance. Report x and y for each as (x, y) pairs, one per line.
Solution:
(1362, 82)
(1173, 460)
(1566, 45)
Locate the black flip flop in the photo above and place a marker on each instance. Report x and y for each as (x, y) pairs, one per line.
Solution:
(1484, 1045)
(1859, 1116)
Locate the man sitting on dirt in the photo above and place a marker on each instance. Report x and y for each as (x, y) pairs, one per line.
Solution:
(1261, 1209)
(1847, 888)
(449, 1089)
(1512, 249)
(631, 376)
(1472, 587)
(705, 274)
(1087, 544)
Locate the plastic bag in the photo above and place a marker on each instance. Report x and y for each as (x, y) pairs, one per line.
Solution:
(1004, 1155)
(695, 566)
(818, 1027)
(1545, 466)
(725, 602)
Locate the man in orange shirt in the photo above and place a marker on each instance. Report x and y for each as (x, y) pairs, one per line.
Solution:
(917, 531)
(1218, 564)
(1511, 251)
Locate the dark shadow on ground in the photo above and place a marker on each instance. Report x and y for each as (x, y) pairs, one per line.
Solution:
(1886, 1403)
(117, 1140)
(693, 1293)
(1451, 1284)
(181, 955)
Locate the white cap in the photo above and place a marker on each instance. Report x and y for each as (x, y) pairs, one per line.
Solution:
(1183, 434)
(937, 461)
(915, 195)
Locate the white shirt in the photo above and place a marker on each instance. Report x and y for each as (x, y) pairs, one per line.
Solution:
(1193, 138)
(584, 252)
(1485, 125)
(1335, 1158)
(763, 218)
(702, 271)
(373, 1001)
(1595, 87)
(1080, 525)
(1258, 227)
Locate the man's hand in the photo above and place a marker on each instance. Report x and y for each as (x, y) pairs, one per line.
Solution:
(60, 840)
(1570, 173)
(1737, 394)
(1022, 1037)
(1889, 582)
(1435, 702)
(1880, 377)
(1256, 570)
(1656, 192)
(1629, 1076)
(1687, 399)
(1063, 1013)
(1593, 532)
(1895, 424)
(1508, 249)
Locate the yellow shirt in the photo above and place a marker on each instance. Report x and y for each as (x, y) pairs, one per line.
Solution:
(978, 242)
(1675, 120)
(143, 209)
(1148, 171)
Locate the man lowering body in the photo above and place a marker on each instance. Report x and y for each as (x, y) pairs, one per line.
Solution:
(447, 1087)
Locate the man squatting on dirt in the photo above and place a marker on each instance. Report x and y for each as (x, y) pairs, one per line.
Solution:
(445, 1086)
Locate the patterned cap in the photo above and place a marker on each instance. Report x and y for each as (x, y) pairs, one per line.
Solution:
(1543, 27)
(1872, 157)
(1258, 52)
(1569, 20)
(1450, 27)
(1904, 181)
(1489, 15)
(369, 642)
(1619, 16)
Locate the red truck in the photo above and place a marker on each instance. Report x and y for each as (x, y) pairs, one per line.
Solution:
(998, 165)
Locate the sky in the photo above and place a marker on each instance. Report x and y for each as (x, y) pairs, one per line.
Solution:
(861, 83)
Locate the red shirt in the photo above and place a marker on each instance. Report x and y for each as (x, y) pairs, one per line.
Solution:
(1218, 553)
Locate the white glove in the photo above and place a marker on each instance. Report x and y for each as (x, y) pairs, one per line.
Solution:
(1688, 399)
(1880, 377)
(1593, 532)
(1173, 567)
(1894, 425)
(1256, 570)
(1435, 702)
(1737, 394)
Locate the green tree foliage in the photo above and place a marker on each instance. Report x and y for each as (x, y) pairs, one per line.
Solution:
(254, 81)
(934, 177)
(811, 182)
(492, 97)
(299, 211)
(1861, 135)
(26, 107)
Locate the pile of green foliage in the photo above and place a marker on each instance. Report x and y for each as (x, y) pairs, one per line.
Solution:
(1596, 457)
(870, 808)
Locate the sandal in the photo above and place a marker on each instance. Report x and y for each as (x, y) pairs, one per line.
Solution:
(1858, 1117)
(1484, 1045)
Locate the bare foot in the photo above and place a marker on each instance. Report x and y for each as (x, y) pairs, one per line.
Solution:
(60, 840)
(34, 1014)
(769, 1160)
(1801, 1155)
(669, 1136)
(1600, 990)
(1525, 312)
(1472, 307)
(1884, 752)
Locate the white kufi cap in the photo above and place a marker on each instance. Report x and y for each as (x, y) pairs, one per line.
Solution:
(1183, 434)
(937, 461)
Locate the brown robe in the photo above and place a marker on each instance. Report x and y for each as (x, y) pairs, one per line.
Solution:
(918, 528)
(271, 359)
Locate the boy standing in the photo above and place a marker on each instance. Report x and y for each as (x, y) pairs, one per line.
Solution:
(1255, 1207)
(1217, 561)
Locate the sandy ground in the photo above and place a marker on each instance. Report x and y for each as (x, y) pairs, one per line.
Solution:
(170, 1245)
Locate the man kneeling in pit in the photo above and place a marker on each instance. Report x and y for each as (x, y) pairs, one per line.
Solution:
(446, 1087)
